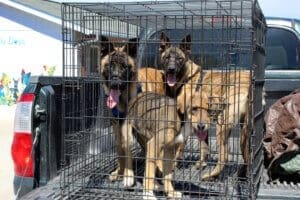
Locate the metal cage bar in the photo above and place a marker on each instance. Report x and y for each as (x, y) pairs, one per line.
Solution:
(227, 37)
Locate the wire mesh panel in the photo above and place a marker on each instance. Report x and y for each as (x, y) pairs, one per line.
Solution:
(162, 99)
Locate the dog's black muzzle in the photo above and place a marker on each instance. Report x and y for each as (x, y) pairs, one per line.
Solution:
(174, 67)
(171, 70)
(116, 82)
(201, 126)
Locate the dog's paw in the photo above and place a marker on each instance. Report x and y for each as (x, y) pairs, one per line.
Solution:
(115, 175)
(200, 164)
(175, 195)
(158, 187)
(213, 174)
(149, 195)
(207, 177)
(128, 180)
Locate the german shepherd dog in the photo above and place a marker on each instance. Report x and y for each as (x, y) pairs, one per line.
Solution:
(180, 72)
(182, 76)
(157, 129)
(228, 105)
(119, 71)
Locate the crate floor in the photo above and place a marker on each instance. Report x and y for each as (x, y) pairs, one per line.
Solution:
(53, 191)
(187, 180)
(90, 179)
(87, 176)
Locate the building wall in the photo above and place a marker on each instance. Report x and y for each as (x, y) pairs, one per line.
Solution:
(28, 46)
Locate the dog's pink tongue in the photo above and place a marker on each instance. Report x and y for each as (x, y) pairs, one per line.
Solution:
(201, 135)
(171, 80)
(113, 98)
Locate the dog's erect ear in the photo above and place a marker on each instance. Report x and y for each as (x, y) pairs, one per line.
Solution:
(185, 44)
(164, 42)
(131, 47)
(106, 46)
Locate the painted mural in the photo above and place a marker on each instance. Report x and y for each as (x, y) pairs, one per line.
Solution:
(29, 46)
(12, 87)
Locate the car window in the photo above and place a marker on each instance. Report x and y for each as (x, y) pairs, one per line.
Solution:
(283, 49)
(216, 49)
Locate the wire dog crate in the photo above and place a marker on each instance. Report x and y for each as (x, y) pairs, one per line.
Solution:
(226, 36)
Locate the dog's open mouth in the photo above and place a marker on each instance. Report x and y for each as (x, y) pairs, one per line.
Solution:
(201, 135)
(171, 79)
(113, 98)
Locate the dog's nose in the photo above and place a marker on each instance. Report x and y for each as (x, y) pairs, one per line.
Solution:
(201, 126)
(171, 69)
(115, 82)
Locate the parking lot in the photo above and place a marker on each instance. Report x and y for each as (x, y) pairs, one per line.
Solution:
(6, 166)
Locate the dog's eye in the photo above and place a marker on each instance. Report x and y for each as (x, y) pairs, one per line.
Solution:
(127, 66)
(180, 59)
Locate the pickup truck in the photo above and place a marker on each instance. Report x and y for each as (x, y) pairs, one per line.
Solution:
(39, 113)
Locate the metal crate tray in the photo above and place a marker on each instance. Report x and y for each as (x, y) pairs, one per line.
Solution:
(186, 177)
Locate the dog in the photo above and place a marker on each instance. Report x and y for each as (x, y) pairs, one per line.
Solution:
(181, 74)
(122, 80)
(223, 96)
(157, 129)
(151, 80)
(181, 77)
(118, 71)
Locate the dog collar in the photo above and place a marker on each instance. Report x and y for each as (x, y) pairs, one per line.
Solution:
(117, 114)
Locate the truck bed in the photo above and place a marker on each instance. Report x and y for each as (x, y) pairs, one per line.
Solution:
(266, 191)
(187, 179)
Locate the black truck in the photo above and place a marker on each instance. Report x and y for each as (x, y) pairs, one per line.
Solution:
(60, 136)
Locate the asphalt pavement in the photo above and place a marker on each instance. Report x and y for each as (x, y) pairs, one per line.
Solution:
(6, 165)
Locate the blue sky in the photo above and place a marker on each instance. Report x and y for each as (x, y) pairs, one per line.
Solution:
(281, 8)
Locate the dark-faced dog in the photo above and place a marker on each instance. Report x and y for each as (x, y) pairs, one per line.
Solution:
(122, 82)
(118, 71)
(157, 128)
(181, 73)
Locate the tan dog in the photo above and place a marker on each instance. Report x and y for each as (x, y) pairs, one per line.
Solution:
(181, 73)
(151, 80)
(120, 75)
(226, 96)
(157, 128)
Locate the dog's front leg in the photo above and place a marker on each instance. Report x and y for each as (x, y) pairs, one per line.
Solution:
(168, 170)
(128, 180)
(222, 142)
(116, 174)
(203, 154)
(149, 179)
